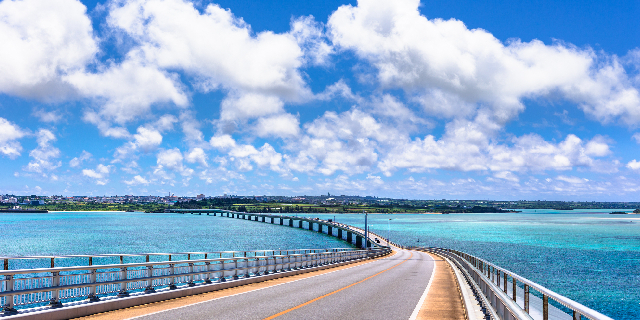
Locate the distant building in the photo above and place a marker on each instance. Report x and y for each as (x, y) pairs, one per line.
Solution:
(200, 197)
(37, 202)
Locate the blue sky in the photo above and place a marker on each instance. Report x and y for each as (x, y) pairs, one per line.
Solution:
(432, 99)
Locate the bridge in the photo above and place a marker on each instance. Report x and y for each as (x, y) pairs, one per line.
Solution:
(371, 280)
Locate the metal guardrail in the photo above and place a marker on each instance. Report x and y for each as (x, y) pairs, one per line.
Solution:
(54, 286)
(492, 282)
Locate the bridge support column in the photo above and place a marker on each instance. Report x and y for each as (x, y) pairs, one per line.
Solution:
(290, 222)
(272, 219)
(329, 230)
(359, 241)
(311, 226)
(281, 221)
(319, 227)
(300, 224)
(340, 234)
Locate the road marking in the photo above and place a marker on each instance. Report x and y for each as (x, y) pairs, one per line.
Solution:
(251, 291)
(334, 292)
(414, 315)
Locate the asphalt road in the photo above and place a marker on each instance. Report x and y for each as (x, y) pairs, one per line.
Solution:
(388, 288)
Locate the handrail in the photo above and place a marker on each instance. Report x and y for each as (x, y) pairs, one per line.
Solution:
(115, 255)
(64, 284)
(486, 273)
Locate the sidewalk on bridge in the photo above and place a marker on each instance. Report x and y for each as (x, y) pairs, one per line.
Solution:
(444, 300)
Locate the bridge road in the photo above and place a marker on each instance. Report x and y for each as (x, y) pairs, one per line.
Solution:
(388, 288)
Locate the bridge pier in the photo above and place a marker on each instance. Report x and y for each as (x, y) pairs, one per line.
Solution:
(359, 241)
(311, 226)
(290, 222)
(300, 224)
(281, 221)
(319, 227)
(350, 237)
(340, 234)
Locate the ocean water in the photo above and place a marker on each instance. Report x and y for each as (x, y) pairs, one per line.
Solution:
(589, 256)
(67, 233)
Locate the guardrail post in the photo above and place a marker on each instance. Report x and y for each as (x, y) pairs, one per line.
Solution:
(55, 293)
(8, 306)
(6, 264)
(576, 315)
(545, 307)
(191, 282)
(235, 267)
(221, 278)
(123, 285)
(172, 278)
(504, 276)
(207, 277)
(514, 289)
(149, 288)
(526, 298)
(93, 278)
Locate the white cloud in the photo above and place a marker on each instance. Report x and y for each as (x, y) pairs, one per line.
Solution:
(47, 116)
(197, 155)
(100, 174)
(215, 46)
(126, 91)
(453, 71)
(172, 159)
(147, 139)
(572, 180)
(9, 133)
(137, 180)
(105, 127)
(633, 165)
(43, 156)
(250, 105)
(283, 125)
(42, 41)
(636, 137)
(222, 142)
(77, 161)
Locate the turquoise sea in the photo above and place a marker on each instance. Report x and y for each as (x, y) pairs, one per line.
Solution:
(589, 256)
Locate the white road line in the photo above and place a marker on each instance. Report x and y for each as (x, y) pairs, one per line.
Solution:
(237, 294)
(414, 315)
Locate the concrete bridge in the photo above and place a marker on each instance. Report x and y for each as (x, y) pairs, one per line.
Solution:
(342, 231)
(372, 281)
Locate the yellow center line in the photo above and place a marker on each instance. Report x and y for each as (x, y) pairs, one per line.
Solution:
(328, 294)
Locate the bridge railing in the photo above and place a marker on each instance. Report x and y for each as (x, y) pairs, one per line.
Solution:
(51, 287)
(30, 262)
(508, 296)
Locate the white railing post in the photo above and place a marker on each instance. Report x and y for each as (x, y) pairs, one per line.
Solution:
(149, 288)
(221, 277)
(8, 306)
(207, 278)
(123, 285)
(172, 278)
(93, 278)
(55, 293)
(191, 282)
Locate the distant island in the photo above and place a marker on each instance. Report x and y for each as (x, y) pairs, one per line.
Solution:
(636, 211)
(293, 204)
